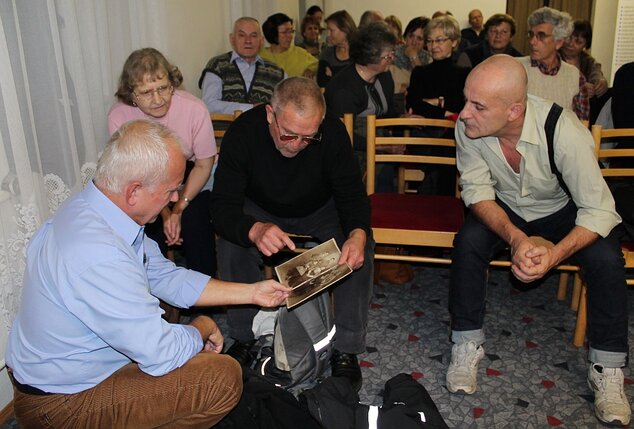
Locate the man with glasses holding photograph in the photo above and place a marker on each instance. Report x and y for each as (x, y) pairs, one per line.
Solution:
(549, 76)
(286, 169)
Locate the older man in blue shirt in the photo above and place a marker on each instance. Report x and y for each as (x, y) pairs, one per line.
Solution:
(88, 347)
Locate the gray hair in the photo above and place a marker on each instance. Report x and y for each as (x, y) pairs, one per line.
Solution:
(246, 19)
(561, 21)
(301, 93)
(138, 151)
(447, 23)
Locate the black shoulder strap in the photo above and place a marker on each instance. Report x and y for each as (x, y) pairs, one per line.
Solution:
(549, 128)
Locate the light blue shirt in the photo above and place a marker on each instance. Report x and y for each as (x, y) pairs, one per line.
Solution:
(90, 300)
(212, 86)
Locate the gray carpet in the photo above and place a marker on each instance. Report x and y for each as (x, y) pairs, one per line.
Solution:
(531, 376)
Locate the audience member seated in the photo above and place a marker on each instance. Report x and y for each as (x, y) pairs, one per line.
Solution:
(147, 90)
(409, 55)
(336, 56)
(498, 38)
(278, 31)
(463, 43)
(88, 347)
(435, 91)
(548, 76)
(285, 168)
(311, 34)
(365, 87)
(512, 194)
(574, 52)
(397, 28)
(370, 16)
(239, 79)
(622, 108)
(317, 13)
(623, 97)
(474, 34)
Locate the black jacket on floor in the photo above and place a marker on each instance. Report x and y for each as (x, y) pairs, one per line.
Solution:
(266, 406)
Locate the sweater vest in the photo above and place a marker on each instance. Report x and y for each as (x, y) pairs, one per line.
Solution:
(560, 88)
(234, 89)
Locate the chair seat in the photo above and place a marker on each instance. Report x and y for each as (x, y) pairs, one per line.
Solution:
(417, 212)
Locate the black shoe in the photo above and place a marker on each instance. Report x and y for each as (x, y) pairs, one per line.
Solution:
(240, 352)
(346, 365)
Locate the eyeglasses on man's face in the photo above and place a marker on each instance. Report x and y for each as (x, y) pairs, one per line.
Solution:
(437, 41)
(147, 95)
(286, 138)
(540, 35)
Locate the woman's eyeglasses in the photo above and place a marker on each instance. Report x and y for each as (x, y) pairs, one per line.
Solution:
(292, 137)
(147, 95)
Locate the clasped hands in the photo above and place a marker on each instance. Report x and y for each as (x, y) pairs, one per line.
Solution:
(532, 258)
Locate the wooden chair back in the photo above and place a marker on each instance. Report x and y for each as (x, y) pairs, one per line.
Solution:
(410, 219)
(221, 122)
(607, 155)
(380, 133)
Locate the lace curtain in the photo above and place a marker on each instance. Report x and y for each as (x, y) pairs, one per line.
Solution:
(59, 61)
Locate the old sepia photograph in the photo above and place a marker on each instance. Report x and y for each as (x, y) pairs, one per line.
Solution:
(311, 272)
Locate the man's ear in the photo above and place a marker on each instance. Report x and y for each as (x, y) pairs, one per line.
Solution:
(515, 111)
(269, 113)
(559, 44)
(131, 192)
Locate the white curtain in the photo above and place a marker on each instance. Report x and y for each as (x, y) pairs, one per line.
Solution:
(59, 64)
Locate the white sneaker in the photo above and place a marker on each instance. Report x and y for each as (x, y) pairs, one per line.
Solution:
(610, 403)
(463, 369)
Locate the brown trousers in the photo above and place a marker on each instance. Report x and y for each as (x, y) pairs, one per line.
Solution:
(197, 395)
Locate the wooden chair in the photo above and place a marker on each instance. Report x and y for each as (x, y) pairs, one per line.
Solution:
(598, 134)
(221, 122)
(411, 219)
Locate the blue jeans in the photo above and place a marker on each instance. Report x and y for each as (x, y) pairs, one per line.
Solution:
(603, 271)
(351, 296)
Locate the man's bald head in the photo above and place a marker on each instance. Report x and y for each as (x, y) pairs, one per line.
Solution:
(495, 95)
(503, 76)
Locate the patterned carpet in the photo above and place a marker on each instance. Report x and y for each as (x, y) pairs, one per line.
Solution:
(531, 376)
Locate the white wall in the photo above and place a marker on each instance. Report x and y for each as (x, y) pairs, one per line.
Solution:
(196, 33)
(603, 24)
